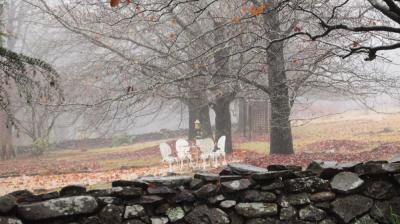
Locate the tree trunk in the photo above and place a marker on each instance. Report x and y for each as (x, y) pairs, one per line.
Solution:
(223, 125)
(199, 112)
(281, 132)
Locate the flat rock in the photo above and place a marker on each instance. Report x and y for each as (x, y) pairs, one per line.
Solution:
(322, 196)
(207, 177)
(306, 184)
(311, 213)
(346, 182)
(294, 199)
(7, 202)
(257, 196)
(161, 190)
(213, 215)
(126, 192)
(395, 159)
(245, 169)
(272, 175)
(278, 184)
(196, 183)
(224, 178)
(352, 206)
(236, 185)
(129, 183)
(256, 209)
(58, 207)
(134, 211)
(366, 219)
(184, 197)
(284, 167)
(174, 214)
(48, 196)
(227, 204)
(206, 191)
(111, 214)
(10, 220)
(372, 168)
(172, 181)
(379, 189)
(150, 199)
(72, 190)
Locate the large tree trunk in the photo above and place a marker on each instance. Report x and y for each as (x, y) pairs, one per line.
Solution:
(199, 112)
(281, 132)
(223, 125)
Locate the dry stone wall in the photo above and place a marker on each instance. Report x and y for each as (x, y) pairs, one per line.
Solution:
(324, 193)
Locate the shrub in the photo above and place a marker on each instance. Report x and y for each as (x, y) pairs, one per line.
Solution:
(394, 218)
(120, 139)
(40, 145)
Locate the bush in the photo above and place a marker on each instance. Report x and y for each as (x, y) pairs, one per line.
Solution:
(120, 139)
(40, 146)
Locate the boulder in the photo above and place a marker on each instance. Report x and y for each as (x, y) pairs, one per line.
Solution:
(58, 207)
(47, 196)
(72, 190)
(227, 204)
(203, 214)
(236, 185)
(311, 213)
(379, 189)
(346, 182)
(206, 191)
(370, 168)
(174, 214)
(256, 209)
(352, 206)
(322, 196)
(366, 219)
(111, 214)
(324, 169)
(171, 181)
(244, 169)
(134, 211)
(7, 202)
(10, 220)
(306, 184)
(258, 196)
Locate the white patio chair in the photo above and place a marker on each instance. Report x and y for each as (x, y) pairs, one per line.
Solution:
(183, 152)
(220, 152)
(166, 154)
(206, 147)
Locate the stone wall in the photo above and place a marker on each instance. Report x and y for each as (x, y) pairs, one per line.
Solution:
(324, 193)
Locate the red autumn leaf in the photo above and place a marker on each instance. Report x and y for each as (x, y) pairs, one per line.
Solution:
(296, 29)
(355, 44)
(114, 3)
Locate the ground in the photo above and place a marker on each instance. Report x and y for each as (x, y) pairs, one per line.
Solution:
(353, 136)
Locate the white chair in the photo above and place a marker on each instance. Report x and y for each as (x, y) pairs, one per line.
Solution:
(206, 147)
(166, 154)
(183, 152)
(220, 152)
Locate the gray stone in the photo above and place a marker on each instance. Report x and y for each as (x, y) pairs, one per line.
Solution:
(284, 167)
(196, 183)
(322, 196)
(236, 185)
(72, 190)
(150, 199)
(273, 186)
(10, 220)
(184, 197)
(206, 191)
(382, 210)
(258, 196)
(134, 211)
(324, 169)
(207, 177)
(227, 204)
(7, 202)
(272, 175)
(370, 168)
(174, 214)
(295, 199)
(366, 219)
(134, 221)
(109, 200)
(58, 207)
(171, 181)
(256, 209)
(397, 178)
(391, 167)
(327, 221)
(129, 183)
(244, 169)
(111, 214)
(159, 220)
(306, 184)
(124, 192)
(216, 199)
(395, 159)
(311, 213)
(352, 206)
(229, 177)
(287, 213)
(346, 182)
(161, 190)
(202, 214)
(379, 189)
